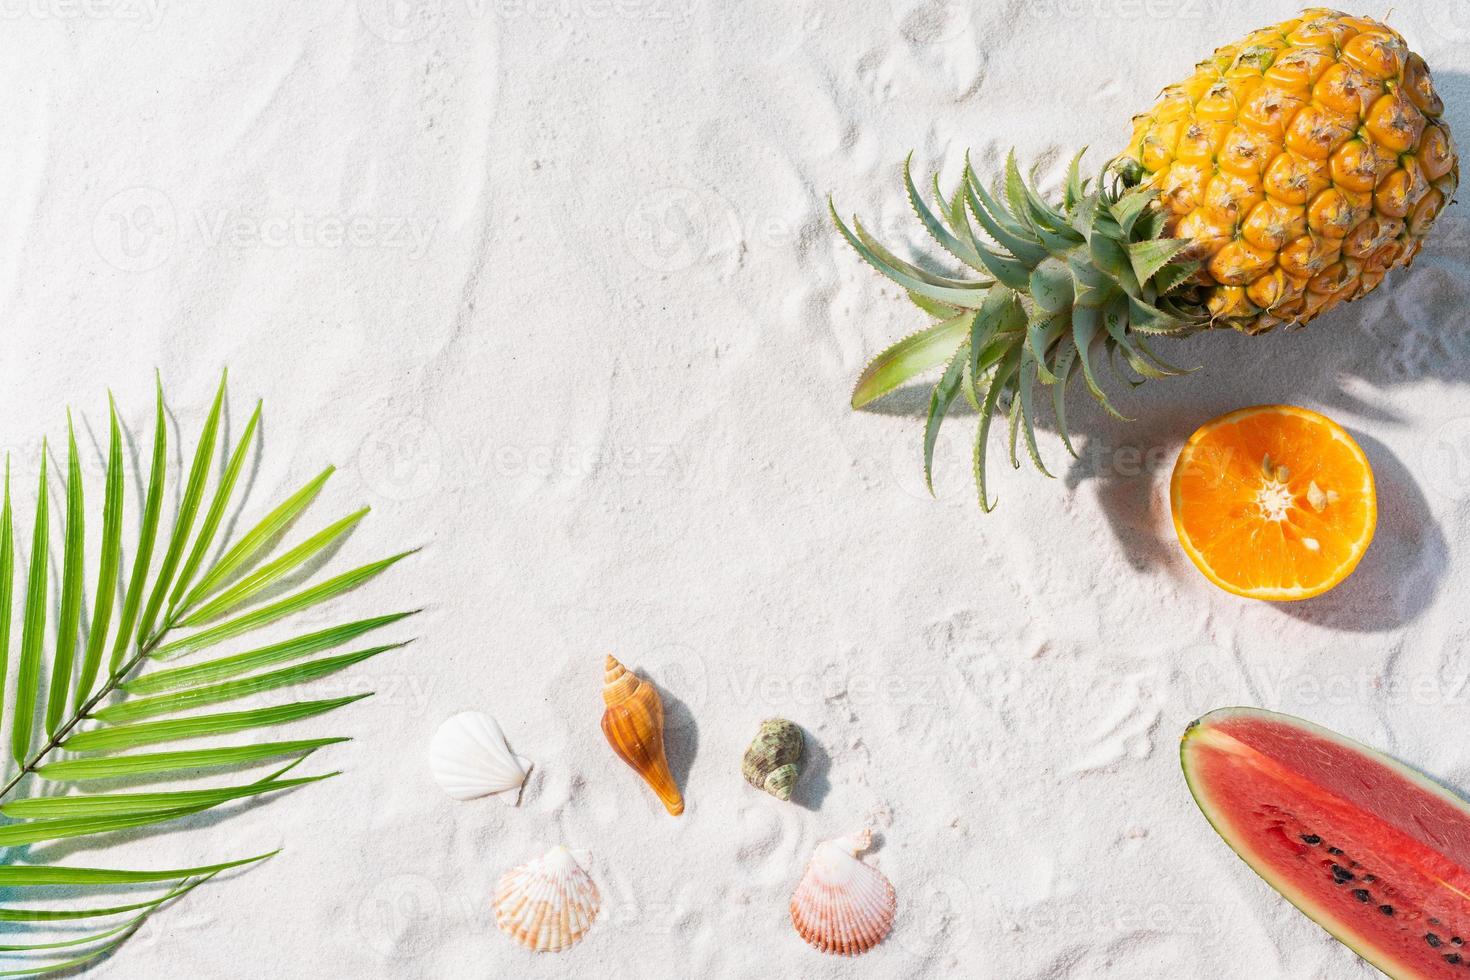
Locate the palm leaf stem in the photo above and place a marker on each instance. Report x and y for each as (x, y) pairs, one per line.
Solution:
(82, 713)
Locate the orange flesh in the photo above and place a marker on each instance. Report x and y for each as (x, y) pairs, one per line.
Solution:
(1273, 502)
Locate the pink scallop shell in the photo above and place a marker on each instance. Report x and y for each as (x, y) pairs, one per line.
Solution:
(842, 905)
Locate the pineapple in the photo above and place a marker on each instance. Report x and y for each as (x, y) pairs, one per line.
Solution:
(1287, 175)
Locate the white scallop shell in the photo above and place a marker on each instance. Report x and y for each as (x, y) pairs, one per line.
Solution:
(843, 905)
(547, 904)
(469, 758)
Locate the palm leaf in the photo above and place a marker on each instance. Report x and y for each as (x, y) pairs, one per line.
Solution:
(240, 663)
(7, 582)
(33, 629)
(258, 538)
(71, 587)
(193, 493)
(199, 697)
(241, 591)
(108, 565)
(117, 804)
(196, 726)
(176, 763)
(35, 875)
(148, 532)
(290, 605)
(71, 915)
(200, 578)
(216, 509)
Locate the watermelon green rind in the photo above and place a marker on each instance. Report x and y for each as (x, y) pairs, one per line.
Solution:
(1340, 931)
(1205, 731)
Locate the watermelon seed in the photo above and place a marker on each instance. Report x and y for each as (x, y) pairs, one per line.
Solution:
(1341, 874)
(1386, 909)
(1334, 850)
(1434, 941)
(1372, 878)
(1456, 941)
(1361, 894)
(1452, 958)
(1312, 839)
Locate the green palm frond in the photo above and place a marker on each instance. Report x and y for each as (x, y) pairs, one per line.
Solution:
(76, 720)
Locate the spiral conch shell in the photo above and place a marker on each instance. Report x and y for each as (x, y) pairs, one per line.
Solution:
(770, 763)
(634, 726)
(547, 904)
(843, 905)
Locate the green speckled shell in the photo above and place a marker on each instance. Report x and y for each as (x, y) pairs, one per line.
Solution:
(772, 761)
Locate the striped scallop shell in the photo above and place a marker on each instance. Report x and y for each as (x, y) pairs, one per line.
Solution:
(548, 904)
(842, 905)
(469, 758)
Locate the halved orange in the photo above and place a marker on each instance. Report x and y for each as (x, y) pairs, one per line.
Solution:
(1273, 502)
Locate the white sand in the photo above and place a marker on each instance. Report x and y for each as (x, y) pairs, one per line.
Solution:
(552, 281)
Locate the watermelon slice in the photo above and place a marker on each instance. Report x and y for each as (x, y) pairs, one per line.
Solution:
(1373, 851)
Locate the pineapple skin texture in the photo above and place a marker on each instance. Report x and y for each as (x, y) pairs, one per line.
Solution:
(1304, 161)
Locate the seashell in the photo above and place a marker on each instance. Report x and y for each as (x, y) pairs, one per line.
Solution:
(469, 758)
(547, 904)
(634, 726)
(771, 762)
(842, 905)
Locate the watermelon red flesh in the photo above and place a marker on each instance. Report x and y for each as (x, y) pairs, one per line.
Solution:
(1374, 852)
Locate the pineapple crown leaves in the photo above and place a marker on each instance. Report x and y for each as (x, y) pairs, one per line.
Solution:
(75, 720)
(1049, 292)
